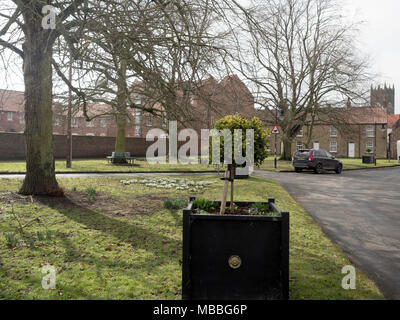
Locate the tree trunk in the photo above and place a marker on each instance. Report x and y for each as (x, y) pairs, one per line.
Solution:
(40, 174)
(287, 149)
(120, 143)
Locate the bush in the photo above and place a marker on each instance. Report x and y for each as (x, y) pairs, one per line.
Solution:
(204, 204)
(175, 204)
(235, 122)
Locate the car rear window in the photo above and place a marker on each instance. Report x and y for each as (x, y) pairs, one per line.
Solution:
(301, 153)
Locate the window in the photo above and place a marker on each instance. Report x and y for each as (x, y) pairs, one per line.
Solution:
(9, 116)
(22, 118)
(138, 119)
(369, 145)
(90, 123)
(137, 131)
(74, 122)
(56, 121)
(370, 131)
(103, 123)
(137, 116)
(333, 147)
(102, 134)
(149, 121)
(138, 99)
(90, 134)
(299, 145)
(334, 131)
(300, 134)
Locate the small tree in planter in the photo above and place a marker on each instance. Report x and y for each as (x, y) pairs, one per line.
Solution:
(241, 255)
(240, 146)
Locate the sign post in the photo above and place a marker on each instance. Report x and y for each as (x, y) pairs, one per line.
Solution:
(275, 131)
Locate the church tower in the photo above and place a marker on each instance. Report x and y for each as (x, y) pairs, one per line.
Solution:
(383, 97)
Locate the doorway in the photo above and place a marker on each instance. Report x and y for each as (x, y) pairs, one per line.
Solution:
(352, 150)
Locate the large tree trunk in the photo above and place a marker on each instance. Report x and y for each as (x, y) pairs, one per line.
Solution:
(40, 174)
(287, 149)
(120, 144)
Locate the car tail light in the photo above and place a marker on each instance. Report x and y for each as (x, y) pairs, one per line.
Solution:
(310, 157)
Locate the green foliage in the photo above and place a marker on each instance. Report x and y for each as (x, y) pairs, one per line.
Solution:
(91, 194)
(73, 189)
(49, 235)
(262, 209)
(368, 150)
(204, 204)
(30, 242)
(12, 240)
(175, 204)
(40, 236)
(235, 122)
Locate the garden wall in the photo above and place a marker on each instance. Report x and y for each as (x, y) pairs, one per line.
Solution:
(12, 146)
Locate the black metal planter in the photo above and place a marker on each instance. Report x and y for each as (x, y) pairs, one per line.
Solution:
(233, 257)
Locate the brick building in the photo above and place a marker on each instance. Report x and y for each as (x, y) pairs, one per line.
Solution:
(393, 133)
(228, 96)
(367, 128)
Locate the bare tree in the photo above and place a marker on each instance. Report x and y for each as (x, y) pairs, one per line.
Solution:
(300, 58)
(23, 24)
(160, 50)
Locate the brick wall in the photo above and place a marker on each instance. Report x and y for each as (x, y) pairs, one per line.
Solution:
(12, 146)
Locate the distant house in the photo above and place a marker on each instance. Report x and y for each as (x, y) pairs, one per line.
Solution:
(393, 133)
(366, 128)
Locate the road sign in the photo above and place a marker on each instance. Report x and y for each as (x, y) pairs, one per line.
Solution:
(275, 130)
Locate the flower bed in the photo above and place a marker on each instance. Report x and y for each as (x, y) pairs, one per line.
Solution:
(171, 183)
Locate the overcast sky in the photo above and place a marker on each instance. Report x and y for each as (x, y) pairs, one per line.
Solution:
(379, 38)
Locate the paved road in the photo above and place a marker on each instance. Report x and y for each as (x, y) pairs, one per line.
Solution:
(358, 210)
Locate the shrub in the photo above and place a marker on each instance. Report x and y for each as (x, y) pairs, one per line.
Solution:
(175, 204)
(233, 123)
(204, 204)
(91, 194)
(11, 239)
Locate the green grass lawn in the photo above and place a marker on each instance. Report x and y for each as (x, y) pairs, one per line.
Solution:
(348, 164)
(101, 165)
(122, 244)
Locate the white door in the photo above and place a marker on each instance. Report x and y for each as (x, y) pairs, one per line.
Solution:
(316, 145)
(352, 150)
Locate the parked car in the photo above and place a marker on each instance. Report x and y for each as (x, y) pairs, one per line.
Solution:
(316, 160)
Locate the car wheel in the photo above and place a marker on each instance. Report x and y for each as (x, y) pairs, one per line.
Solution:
(298, 170)
(339, 169)
(318, 169)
